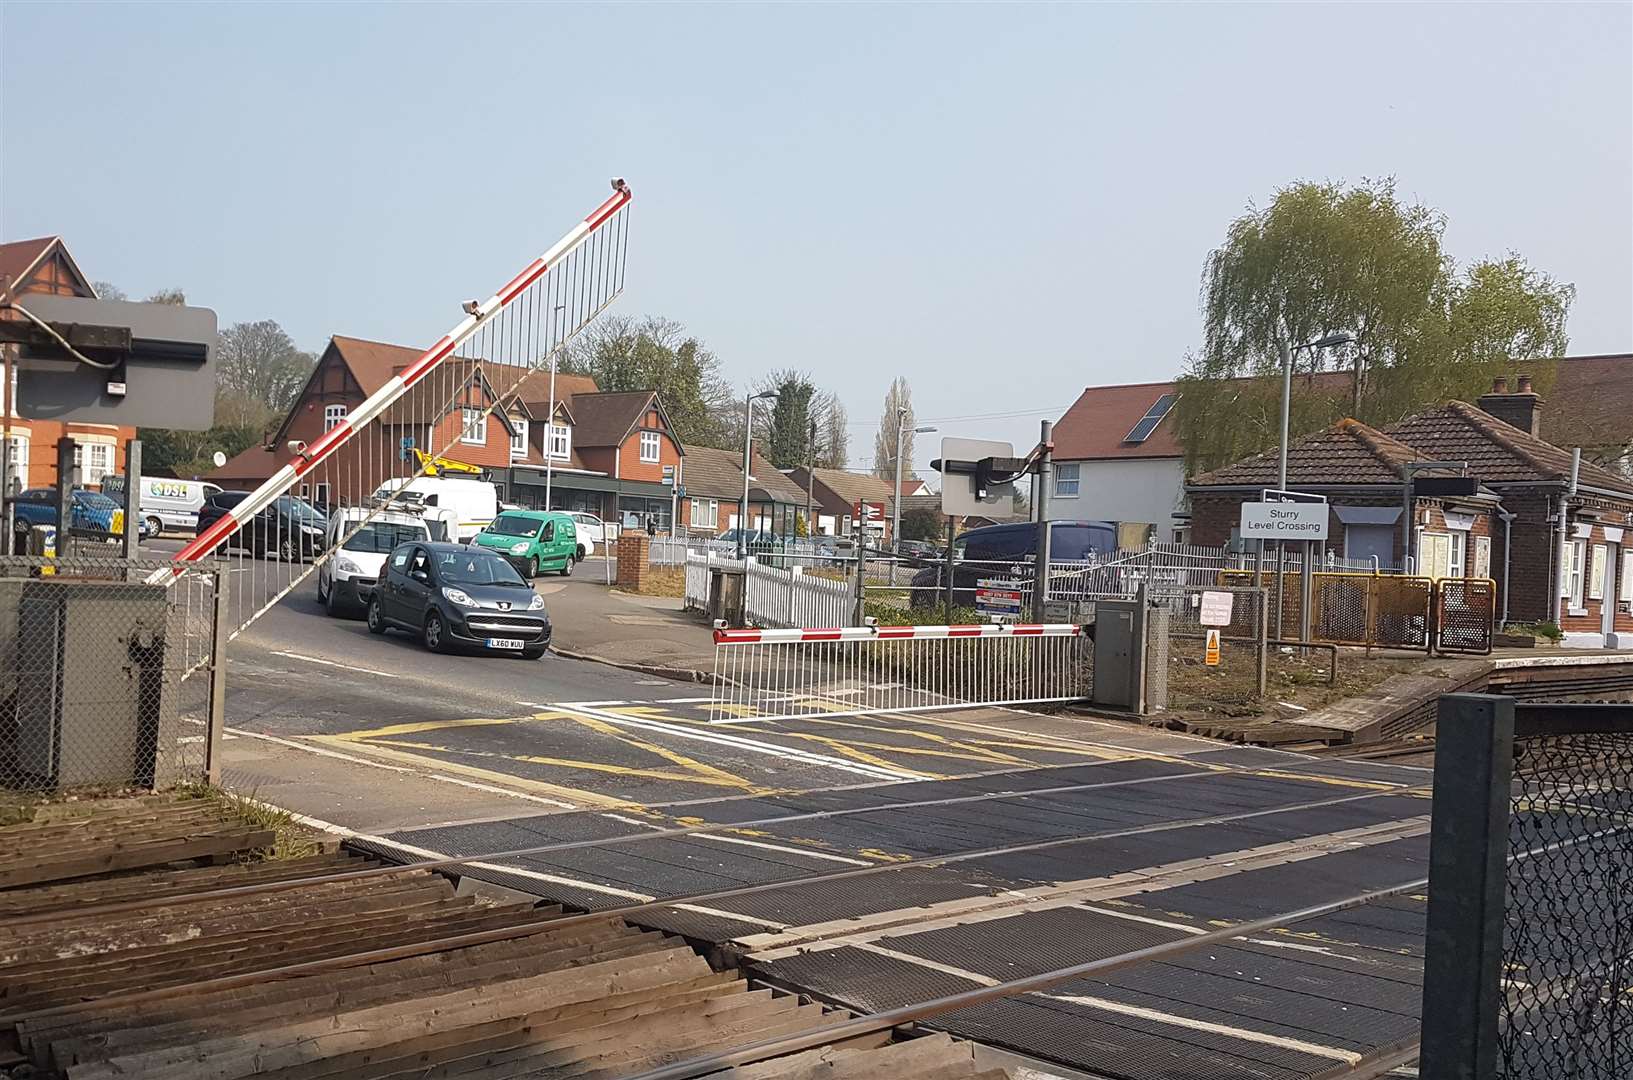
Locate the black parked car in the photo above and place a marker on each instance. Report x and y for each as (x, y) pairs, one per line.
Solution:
(459, 595)
(991, 551)
(290, 528)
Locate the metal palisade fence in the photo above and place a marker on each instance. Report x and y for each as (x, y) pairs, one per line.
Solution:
(1528, 971)
(791, 596)
(406, 461)
(108, 681)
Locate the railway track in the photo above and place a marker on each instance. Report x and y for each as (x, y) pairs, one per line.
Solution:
(272, 982)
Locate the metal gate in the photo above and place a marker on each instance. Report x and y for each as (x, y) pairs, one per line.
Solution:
(351, 475)
(1465, 614)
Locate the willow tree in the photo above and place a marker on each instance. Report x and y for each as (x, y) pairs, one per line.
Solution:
(1324, 258)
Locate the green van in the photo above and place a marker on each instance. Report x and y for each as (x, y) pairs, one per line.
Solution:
(533, 540)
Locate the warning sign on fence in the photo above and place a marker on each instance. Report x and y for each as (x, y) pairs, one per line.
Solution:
(1216, 608)
(994, 596)
(1210, 656)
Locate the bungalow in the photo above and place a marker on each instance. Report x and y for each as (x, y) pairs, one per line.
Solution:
(1118, 455)
(1554, 544)
(714, 490)
(836, 494)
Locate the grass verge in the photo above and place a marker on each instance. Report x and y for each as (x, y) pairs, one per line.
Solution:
(293, 840)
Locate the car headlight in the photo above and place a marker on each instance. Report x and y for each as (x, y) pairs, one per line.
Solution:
(311, 530)
(348, 568)
(536, 604)
(457, 596)
(519, 549)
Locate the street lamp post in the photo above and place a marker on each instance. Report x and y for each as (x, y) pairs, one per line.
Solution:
(896, 504)
(1341, 338)
(748, 456)
(550, 417)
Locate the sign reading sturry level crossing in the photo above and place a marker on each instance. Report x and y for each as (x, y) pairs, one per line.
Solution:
(1284, 521)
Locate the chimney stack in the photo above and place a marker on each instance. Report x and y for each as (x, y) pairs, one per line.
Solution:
(1522, 408)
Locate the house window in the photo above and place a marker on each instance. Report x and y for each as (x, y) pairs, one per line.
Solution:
(1066, 477)
(94, 461)
(473, 427)
(1572, 580)
(561, 442)
(1457, 555)
(705, 513)
(332, 416)
(322, 493)
(651, 443)
(518, 441)
(1482, 557)
(1596, 571)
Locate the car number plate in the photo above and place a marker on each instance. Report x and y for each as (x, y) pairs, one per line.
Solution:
(504, 643)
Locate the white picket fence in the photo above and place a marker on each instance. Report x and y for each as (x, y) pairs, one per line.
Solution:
(774, 596)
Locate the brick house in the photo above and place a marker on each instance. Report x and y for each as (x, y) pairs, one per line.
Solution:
(714, 488)
(43, 265)
(1507, 528)
(1119, 457)
(835, 493)
(609, 452)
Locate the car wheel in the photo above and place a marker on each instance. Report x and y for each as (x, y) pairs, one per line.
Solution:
(580, 554)
(532, 567)
(377, 618)
(331, 603)
(287, 551)
(324, 595)
(436, 634)
(533, 654)
(154, 527)
(567, 567)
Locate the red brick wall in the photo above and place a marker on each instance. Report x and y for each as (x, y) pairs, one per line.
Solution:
(630, 465)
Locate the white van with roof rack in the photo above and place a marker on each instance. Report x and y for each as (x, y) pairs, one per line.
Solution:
(455, 508)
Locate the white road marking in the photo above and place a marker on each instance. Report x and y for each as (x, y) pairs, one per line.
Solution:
(634, 821)
(336, 663)
(1349, 1057)
(519, 871)
(783, 848)
(732, 915)
(372, 763)
(579, 704)
(736, 742)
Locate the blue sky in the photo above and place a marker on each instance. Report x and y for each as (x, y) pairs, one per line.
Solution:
(1001, 203)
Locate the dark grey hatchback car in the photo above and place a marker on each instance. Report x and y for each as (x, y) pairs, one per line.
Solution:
(459, 596)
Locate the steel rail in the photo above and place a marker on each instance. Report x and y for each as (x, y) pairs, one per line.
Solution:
(1380, 1062)
(506, 933)
(451, 862)
(877, 1023)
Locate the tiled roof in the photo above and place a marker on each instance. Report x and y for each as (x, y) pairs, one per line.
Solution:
(17, 257)
(718, 474)
(1096, 424)
(256, 463)
(1496, 452)
(1591, 403)
(607, 419)
(1349, 452)
(854, 487)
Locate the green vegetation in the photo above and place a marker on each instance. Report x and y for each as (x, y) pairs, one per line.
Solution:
(1324, 258)
(294, 840)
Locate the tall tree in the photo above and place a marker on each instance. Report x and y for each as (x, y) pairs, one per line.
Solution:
(833, 449)
(259, 361)
(1324, 258)
(654, 353)
(786, 438)
(107, 290)
(168, 296)
(897, 415)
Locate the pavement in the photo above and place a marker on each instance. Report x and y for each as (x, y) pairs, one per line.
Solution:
(594, 620)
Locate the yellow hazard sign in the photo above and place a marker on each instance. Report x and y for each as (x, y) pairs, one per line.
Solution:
(1211, 655)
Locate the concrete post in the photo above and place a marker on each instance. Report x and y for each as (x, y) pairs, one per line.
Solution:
(1046, 473)
(133, 498)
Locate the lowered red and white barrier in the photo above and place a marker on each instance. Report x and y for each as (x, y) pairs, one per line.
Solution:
(896, 633)
(862, 670)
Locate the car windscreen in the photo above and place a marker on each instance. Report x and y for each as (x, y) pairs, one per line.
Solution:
(379, 537)
(513, 525)
(1079, 542)
(298, 508)
(475, 568)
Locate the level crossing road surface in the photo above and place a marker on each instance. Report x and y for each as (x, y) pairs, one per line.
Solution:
(891, 858)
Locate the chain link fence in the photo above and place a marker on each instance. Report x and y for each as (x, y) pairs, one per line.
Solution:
(1529, 966)
(1182, 669)
(106, 681)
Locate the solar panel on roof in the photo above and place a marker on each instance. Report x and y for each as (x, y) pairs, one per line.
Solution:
(1148, 423)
